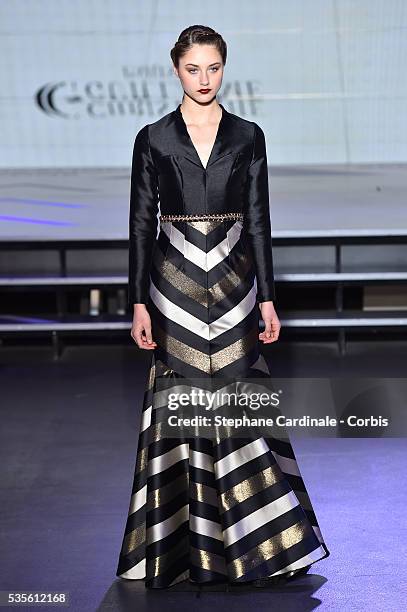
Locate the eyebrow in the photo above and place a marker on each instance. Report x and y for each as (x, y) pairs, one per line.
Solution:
(197, 65)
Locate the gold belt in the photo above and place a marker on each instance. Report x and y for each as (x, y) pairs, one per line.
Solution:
(202, 217)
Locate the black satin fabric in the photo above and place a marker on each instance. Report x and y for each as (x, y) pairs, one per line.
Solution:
(168, 178)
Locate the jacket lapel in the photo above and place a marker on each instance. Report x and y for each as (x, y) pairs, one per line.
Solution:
(222, 145)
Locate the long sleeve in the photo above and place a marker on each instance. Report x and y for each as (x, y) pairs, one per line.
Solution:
(142, 218)
(257, 218)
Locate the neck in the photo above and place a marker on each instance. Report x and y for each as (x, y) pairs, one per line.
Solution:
(200, 114)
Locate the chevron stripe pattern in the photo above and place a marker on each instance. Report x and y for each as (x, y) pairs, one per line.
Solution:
(225, 510)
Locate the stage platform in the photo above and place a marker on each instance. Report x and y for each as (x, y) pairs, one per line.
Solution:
(312, 201)
(339, 246)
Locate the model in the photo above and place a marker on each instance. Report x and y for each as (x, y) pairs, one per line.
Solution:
(231, 510)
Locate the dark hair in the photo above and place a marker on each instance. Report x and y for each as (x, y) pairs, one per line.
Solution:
(200, 35)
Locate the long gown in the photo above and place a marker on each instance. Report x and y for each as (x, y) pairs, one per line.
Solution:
(208, 509)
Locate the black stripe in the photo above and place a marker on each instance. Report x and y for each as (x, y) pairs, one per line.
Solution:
(284, 558)
(155, 516)
(160, 547)
(264, 532)
(206, 511)
(202, 542)
(250, 468)
(165, 477)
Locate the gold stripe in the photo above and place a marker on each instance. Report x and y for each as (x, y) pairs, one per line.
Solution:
(183, 283)
(195, 291)
(142, 459)
(252, 485)
(134, 539)
(203, 493)
(151, 377)
(207, 363)
(166, 493)
(208, 560)
(205, 227)
(229, 282)
(155, 432)
(234, 351)
(270, 548)
(182, 351)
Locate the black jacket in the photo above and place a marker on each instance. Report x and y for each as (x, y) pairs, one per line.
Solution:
(168, 177)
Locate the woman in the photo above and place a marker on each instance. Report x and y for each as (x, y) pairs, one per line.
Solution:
(207, 510)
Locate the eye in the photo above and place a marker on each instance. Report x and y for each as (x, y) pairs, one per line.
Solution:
(195, 70)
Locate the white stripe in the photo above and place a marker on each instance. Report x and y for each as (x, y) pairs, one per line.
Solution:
(164, 528)
(197, 256)
(204, 330)
(240, 456)
(146, 418)
(260, 517)
(177, 314)
(233, 316)
(137, 572)
(201, 460)
(204, 260)
(164, 461)
(205, 527)
(287, 465)
(138, 500)
(233, 234)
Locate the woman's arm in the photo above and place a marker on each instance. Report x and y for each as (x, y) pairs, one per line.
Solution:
(144, 197)
(257, 218)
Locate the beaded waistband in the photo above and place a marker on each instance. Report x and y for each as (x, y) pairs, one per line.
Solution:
(202, 217)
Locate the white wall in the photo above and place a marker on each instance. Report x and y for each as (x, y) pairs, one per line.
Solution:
(325, 79)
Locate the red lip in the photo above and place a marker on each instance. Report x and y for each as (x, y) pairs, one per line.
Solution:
(203, 90)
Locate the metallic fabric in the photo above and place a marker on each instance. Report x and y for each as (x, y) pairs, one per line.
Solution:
(221, 509)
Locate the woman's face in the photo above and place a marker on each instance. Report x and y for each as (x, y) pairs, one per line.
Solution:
(200, 68)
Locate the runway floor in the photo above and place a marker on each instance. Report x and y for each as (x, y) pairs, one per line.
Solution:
(311, 200)
(69, 432)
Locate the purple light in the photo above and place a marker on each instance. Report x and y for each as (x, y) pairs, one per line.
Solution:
(22, 319)
(36, 221)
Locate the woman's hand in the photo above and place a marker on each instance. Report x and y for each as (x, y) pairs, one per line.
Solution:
(141, 328)
(272, 324)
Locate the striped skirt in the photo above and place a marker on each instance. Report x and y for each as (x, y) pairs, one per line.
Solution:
(223, 508)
